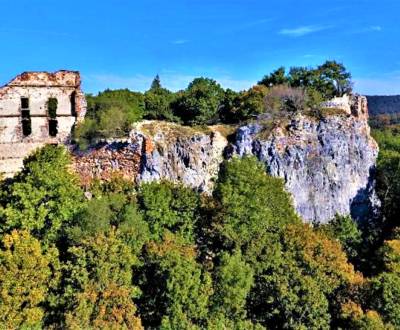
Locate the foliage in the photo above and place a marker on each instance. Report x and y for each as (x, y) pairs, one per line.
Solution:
(329, 79)
(233, 281)
(176, 289)
(296, 292)
(109, 114)
(169, 207)
(99, 284)
(200, 102)
(388, 176)
(277, 77)
(345, 229)
(251, 203)
(236, 107)
(158, 102)
(43, 198)
(25, 278)
(384, 296)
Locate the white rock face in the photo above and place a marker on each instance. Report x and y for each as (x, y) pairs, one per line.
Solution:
(158, 151)
(180, 154)
(327, 165)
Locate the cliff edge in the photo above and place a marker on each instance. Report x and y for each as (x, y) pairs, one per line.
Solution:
(327, 163)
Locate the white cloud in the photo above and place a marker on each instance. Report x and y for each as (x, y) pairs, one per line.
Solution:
(180, 42)
(376, 28)
(169, 79)
(302, 30)
(368, 29)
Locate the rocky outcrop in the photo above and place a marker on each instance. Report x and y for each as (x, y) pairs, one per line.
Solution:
(327, 163)
(156, 151)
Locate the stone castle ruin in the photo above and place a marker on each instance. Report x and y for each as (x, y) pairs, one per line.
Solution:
(37, 108)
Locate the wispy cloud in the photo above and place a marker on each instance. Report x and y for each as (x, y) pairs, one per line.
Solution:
(376, 28)
(179, 42)
(368, 29)
(302, 30)
(170, 79)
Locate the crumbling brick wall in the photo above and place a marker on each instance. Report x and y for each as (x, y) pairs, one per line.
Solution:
(25, 120)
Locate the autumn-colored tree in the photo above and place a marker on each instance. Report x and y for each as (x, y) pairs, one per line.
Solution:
(296, 292)
(98, 286)
(25, 280)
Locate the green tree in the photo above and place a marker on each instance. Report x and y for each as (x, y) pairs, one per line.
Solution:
(43, 198)
(200, 102)
(109, 114)
(251, 203)
(232, 284)
(176, 289)
(156, 83)
(334, 78)
(158, 104)
(277, 77)
(345, 229)
(169, 207)
(383, 292)
(25, 279)
(296, 291)
(384, 296)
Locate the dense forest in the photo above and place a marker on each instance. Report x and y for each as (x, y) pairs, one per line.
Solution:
(162, 256)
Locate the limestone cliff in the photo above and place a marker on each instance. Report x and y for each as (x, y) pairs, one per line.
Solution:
(156, 151)
(327, 163)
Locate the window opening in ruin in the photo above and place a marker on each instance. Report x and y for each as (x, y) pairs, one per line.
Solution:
(26, 117)
(73, 103)
(52, 105)
(24, 103)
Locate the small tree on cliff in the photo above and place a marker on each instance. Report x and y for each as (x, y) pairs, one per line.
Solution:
(200, 102)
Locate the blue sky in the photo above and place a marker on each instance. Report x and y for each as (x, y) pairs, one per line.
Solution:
(121, 43)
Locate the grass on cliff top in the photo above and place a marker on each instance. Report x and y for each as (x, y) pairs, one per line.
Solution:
(172, 130)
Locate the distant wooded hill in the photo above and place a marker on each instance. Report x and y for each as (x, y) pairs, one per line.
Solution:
(378, 105)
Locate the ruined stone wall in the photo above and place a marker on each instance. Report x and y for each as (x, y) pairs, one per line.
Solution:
(37, 88)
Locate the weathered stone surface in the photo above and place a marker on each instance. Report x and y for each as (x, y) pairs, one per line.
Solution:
(327, 164)
(156, 151)
(38, 88)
